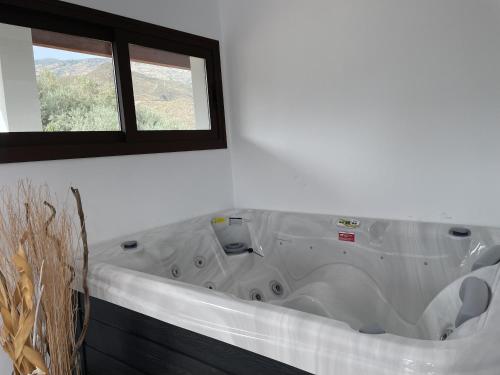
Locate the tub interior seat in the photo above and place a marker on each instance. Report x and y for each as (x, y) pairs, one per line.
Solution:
(442, 312)
(354, 299)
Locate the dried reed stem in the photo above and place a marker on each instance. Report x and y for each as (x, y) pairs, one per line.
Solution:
(85, 269)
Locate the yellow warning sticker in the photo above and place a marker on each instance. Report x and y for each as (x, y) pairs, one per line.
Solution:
(218, 220)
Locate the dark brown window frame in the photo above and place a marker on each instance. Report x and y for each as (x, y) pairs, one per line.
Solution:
(62, 17)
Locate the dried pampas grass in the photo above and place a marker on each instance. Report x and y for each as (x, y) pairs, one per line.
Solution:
(38, 252)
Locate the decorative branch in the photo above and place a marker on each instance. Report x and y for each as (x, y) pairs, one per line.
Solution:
(54, 238)
(49, 221)
(53, 213)
(86, 294)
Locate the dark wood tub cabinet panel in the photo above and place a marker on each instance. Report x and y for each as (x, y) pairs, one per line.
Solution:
(123, 342)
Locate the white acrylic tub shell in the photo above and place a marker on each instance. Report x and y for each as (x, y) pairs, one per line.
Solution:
(404, 276)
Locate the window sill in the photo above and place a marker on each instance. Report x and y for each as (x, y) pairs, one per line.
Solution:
(15, 154)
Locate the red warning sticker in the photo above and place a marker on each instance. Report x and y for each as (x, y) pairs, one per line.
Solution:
(347, 236)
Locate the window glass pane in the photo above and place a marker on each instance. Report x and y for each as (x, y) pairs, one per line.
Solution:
(55, 82)
(170, 90)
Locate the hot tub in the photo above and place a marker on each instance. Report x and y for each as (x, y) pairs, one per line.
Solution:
(324, 294)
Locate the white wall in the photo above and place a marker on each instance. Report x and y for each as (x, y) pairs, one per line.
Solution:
(200, 17)
(126, 194)
(387, 108)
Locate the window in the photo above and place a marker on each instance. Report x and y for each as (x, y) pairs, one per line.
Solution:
(170, 90)
(54, 82)
(76, 82)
